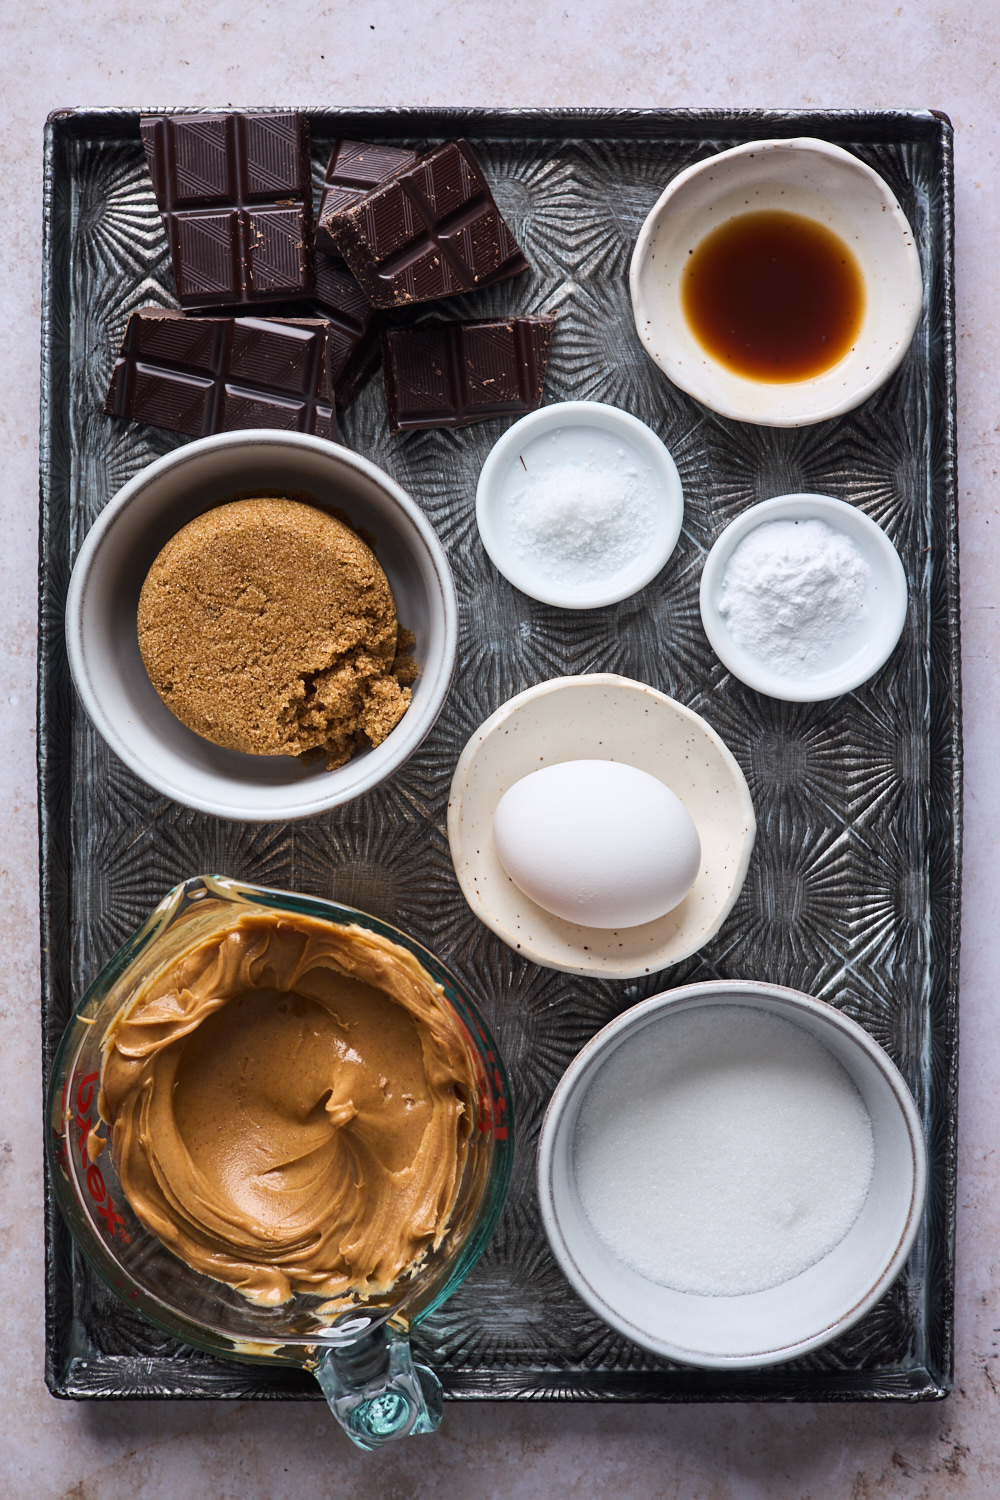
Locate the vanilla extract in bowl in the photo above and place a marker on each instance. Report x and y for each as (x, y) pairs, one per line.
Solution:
(774, 296)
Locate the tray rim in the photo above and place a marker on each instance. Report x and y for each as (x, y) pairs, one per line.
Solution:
(71, 1376)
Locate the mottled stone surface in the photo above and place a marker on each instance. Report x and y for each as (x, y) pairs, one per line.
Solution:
(541, 53)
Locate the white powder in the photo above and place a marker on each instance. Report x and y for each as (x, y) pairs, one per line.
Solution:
(579, 506)
(791, 591)
(722, 1151)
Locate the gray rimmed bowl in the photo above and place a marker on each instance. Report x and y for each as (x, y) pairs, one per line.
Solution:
(798, 1315)
(103, 598)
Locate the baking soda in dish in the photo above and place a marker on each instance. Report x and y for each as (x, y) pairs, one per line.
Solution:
(722, 1151)
(579, 505)
(791, 591)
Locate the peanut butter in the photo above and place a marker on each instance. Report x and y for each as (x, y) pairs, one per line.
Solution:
(289, 1105)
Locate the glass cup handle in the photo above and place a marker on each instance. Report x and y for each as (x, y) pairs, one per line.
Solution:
(376, 1392)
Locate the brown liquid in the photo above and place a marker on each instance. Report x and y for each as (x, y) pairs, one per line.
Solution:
(774, 296)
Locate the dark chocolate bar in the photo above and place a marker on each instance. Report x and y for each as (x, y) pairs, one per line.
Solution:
(355, 167)
(204, 375)
(353, 349)
(430, 231)
(451, 374)
(235, 193)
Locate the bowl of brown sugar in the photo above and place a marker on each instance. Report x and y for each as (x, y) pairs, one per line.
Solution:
(262, 625)
(778, 283)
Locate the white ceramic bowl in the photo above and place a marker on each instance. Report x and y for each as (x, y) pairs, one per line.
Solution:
(103, 598)
(787, 1321)
(860, 654)
(809, 177)
(601, 717)
(583, 418)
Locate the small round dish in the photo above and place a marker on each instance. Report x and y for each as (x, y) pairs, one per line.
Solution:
(853, 659)
(103, 597)
(601, 717)
(819, 181)
(598, 440)
(800, 1314)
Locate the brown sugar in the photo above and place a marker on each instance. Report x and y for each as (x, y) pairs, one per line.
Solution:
(268, 626)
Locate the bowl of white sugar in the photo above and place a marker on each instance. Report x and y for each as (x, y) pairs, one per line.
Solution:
(731, 1174)
(579, 505)
(803, 597)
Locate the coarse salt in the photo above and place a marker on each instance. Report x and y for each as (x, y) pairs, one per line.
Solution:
(582, 509)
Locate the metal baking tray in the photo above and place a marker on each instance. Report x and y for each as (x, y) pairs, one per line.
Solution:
(853, 892)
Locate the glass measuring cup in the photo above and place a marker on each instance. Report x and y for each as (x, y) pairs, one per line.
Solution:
(360, 1352)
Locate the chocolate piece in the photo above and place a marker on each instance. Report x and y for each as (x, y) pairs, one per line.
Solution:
(353, 349)
(204, 375)
(451, 374)
(235, 192)
(428, 232)
(355, 167)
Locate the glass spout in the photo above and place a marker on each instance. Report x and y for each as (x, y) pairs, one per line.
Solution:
(376, 1392)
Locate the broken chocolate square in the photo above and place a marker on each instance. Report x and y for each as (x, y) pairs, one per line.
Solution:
(355, 168)
(430, 231)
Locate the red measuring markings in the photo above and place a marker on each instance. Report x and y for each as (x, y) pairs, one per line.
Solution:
(499, 1115)
(96, 1186)
(500, 1105)
(84, 1097)
(492, 1117)
(493, 1113)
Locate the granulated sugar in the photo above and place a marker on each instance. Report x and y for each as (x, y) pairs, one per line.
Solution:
(580, 505)
(791, 591)
(722, 1151)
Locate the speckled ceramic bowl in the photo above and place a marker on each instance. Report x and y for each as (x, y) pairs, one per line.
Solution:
(803, 176)
(601, 717)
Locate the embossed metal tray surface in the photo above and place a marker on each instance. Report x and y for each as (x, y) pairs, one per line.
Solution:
(853, 892)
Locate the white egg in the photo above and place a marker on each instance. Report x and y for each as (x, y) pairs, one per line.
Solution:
(597, 843)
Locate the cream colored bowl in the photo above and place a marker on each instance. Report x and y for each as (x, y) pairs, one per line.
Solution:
(601, 717)
(809, 177)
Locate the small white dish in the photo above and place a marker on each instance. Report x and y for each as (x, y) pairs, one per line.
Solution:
(851, 660)
(103, 597)
(608, 440)
(801, 1314)
(804, 176)
(601, 717)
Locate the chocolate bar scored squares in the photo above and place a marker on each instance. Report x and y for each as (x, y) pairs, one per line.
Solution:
(205, 375)
(235, 193)
(451, 374)
(355, 168)
(430, 231)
